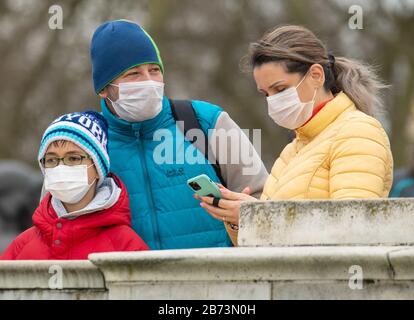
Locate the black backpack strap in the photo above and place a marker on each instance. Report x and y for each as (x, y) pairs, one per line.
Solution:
(183, 110)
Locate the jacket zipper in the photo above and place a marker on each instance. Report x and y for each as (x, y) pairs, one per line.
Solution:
(149, 195)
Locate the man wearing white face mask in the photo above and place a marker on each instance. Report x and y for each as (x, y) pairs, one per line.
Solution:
(128, 76)
(86, 209)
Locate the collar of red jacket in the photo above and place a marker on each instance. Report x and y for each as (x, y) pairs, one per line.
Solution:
(83, 227)
(326, 115)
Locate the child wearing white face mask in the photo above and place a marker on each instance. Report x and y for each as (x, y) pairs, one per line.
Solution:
(86, 209)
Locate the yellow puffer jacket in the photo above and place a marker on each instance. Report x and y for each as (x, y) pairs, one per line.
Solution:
(341, 153)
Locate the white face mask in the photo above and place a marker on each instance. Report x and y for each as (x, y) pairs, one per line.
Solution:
(286, 109)
(69, 184)
(139, 101)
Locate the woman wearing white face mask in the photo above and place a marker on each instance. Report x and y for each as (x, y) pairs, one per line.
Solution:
(340, 151)
(87, 208)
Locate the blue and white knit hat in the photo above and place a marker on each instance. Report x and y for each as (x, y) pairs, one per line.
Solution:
(88, 130)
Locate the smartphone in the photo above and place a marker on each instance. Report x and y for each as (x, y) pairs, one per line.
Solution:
(203, 186)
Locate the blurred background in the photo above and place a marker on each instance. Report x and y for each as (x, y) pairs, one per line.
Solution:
(46, 73)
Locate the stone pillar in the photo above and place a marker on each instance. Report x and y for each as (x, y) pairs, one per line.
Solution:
(327, 222)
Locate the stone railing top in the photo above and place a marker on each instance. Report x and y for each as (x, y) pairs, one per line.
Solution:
(218, 273)
(29, 274)
(262, 263)
(327, 222)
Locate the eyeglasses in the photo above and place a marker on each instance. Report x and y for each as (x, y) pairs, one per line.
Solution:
(69, 160)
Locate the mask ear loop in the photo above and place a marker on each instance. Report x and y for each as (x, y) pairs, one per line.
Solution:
(92, 183)
(314, 95)
(87, 167)
(300, 82)
(95, 179)
(112, 102)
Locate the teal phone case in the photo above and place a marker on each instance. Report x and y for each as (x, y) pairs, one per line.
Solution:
(207, 186)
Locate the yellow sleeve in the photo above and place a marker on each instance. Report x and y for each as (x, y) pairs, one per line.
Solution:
(232, 234)
(360, 161)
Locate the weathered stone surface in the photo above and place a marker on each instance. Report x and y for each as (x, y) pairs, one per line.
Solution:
(243, 264)
(291, 250)
(315, 272)
(327, 222)
(49, 294)
(45, 280)
(253, 273)
(191, 290)
(340, 290)
(42, 275)
(402, 262)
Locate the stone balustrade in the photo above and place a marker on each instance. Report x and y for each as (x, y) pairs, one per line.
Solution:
(357, 249)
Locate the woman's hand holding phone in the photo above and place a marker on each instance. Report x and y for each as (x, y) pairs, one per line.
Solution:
(228, 209)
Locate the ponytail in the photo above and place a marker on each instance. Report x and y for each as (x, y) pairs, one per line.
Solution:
(361, 84)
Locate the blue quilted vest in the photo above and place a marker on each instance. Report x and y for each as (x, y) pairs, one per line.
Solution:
(164, 213)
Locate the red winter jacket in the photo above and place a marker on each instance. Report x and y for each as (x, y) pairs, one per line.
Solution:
(53, 238)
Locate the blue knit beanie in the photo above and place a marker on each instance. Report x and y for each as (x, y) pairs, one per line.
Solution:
(88, 130)
(117, 46)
